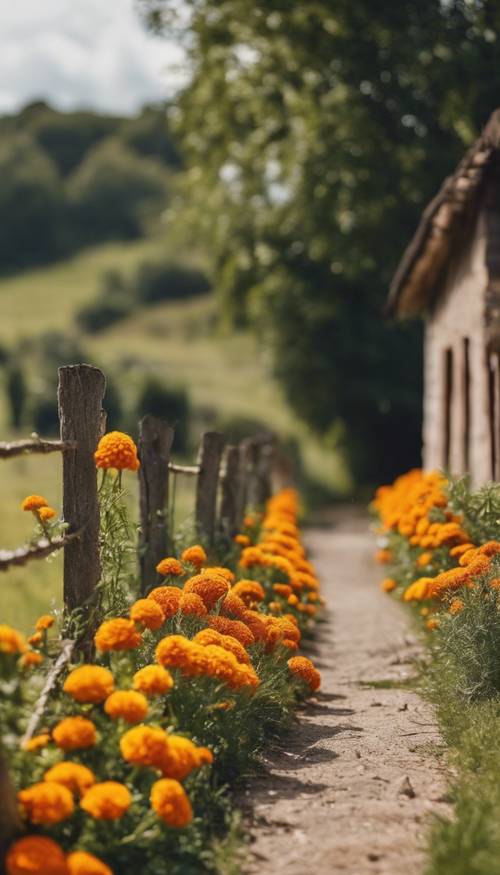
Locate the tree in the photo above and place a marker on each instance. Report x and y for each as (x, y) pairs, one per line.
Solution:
(313, 135)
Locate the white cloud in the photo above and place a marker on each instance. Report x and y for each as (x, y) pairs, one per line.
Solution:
(83, 53)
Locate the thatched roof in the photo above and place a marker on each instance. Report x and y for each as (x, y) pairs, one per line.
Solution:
(440, 232)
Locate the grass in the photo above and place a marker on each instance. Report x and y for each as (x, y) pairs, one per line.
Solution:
(227, 376)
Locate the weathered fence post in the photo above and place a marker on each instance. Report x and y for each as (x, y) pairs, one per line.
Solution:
(209, 458)
(245, 453)
(263, 469)
(230, 492)
(80, 396)
(155, 444)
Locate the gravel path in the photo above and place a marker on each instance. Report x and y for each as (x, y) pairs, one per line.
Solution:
(352, 788)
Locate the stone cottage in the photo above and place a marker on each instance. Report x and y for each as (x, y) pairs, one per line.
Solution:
(450, 275)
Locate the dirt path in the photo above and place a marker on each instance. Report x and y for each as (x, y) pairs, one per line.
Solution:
(352, 789)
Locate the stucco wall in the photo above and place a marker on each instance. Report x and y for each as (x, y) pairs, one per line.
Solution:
(459, 314)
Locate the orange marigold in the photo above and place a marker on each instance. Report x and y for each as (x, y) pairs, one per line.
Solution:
(89, 684)
(220, 571)
(73, 733)
(432, 623)
(34, 502)
(108, 800)
(11, 641)
(117, 634)
(44, 622)
(195, 555)
(35, 855)
(235, 628)
(169, 800)
(282, 589)
(46, 803)
(31, 659)
(303, 668)
(35, 639)
(233, 606)
(456, 605)
(242, 540)
(383, 556)
(46, 513)
(210, 588)
(192, 603)
(144, 746)
(424, 559)
(128, 705)
(170, 565)
(83, 863)
(257, 623)
(37, 742)
(388, 584)
(117, 450)
(148, 613)
(228, 642)
(168, 598)
(182, 756)
(73, 776)
(153, 680)
(249, 591)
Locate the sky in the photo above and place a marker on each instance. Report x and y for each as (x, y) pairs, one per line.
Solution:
(82, 54)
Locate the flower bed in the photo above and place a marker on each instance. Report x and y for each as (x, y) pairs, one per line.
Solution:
(137, 747)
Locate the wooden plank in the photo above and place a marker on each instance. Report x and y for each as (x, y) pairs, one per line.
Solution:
(209, 458)
(10, 820)
(263, 471)
(229, 522)
(245, 455)
(80, 396)
(8, 449)
(155, 443)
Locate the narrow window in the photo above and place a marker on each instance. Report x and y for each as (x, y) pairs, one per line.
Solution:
(466, 403)
(448, 401)
(492, 370)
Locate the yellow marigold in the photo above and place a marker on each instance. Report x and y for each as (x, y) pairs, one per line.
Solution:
(169, 800)
(192, 603)
(83, 863)
(424, 559)
(168, 598)
(242, 540)
(419, 590)
(11, 641)
(170, 565)
(34, 502)
(387, 584)
(46, 803)
(144, 746)
(37, 742)
(228, 642)
(195, 555)
(35, 639)
(117, 634)
(456, 605)
(249, 591)
(35, 855)
(148, 613)
(89, 683)
(210, 588)
(153, 680)
(31, 659)
(282, 589)
(117, 450)
(73, 776)
(293, 600)
(128, 705)
(303, 668)
(46, 513)
(460, 549)
(108, 800)
(235, 628)
(233, 606)
(73, 733)
(44, 622)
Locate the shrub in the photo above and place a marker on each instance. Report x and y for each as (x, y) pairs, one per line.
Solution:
(16, 394)
(166, 281)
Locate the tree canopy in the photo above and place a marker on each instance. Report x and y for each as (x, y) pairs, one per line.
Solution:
(313, 135)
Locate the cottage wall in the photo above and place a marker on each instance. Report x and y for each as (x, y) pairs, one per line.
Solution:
(457, 405)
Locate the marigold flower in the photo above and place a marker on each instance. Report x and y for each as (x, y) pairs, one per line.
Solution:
(35, 639)
(37, 742)
(242, 540)
(257, 623)
(388, 584)
(83, 863)
(236, 628)
(34, 502)
(293, 600)
(195, 555)
(169, 800)
(228, 642)
(35, 855)
(128, 705)
(209, 588)
(148, 613)
(117, 450)
(192, 603)
(73, 776)
(170, 565)
(153, 680)
(11, 641)
(456, 606)
(383, 556)
(249, 521)
(168, 598)
(220, 571)
(303, 668)
(233, 606)
(45, 514)
(282, 589)
(432, 623)
(424, 559)
(249, 591)
(46, 803)
(176, 651)
(73, 733)
(89, 683)
(44, 622)
(460, 549)
(31, 659)
(182, 756)
(144, 746)
(117, 634)
(108, 800)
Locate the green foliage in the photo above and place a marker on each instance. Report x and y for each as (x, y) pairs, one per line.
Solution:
(149, 134)
(481, 509)
(167, 281)
(15, 387)
(313, 138)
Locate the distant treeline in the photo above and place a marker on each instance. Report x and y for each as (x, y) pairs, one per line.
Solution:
(71, 179)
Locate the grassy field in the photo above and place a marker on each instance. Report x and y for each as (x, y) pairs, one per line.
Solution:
(226, 376)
